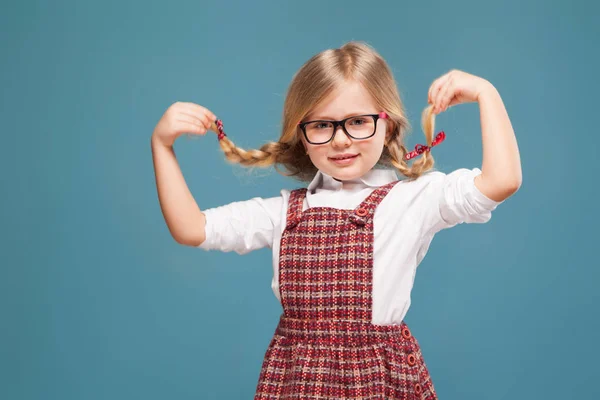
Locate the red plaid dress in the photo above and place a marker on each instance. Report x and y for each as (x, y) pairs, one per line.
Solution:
(325, 345)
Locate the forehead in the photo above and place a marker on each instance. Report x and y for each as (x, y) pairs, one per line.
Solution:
(349, 97)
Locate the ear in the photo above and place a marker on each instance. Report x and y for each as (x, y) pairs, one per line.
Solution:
(391, 127)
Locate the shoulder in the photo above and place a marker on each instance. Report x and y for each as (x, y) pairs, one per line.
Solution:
(285, 194)
(258, 211)
(435, 188)
(412, 189)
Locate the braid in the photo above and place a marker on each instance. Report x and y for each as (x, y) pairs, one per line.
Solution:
(291, 156)
(398, 152)
(297, 163)
(263, 157)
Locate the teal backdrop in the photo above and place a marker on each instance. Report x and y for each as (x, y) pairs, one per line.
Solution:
(97, 301)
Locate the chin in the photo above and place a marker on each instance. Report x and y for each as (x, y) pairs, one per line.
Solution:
(345, 174)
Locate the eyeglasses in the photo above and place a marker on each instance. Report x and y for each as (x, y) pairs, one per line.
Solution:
(357, 127)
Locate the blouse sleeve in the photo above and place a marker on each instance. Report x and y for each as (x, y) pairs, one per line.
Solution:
(242, 226)
(454, 199)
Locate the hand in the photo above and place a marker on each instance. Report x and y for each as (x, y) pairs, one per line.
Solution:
(455, 87)
(180, 118)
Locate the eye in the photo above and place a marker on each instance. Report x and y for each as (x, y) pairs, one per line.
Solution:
(358, 121)
(318, 125)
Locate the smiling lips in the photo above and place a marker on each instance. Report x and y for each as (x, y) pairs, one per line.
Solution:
(343, 156)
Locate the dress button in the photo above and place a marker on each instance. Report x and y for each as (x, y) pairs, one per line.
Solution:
(418, 389)
(406, 333)
(361, 212)
(412, 360)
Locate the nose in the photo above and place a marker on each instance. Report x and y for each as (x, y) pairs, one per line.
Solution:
(340, 140)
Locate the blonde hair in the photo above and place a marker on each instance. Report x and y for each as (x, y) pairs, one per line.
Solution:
(312, 84)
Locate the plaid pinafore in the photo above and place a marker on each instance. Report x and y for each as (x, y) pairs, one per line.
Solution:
(325, 345)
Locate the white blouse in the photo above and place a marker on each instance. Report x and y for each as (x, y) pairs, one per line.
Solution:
(404, 225)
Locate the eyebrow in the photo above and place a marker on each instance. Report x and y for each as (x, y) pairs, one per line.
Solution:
(326, 118)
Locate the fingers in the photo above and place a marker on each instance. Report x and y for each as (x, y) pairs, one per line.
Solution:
(191, 124)
(435, 88)
(444, 96)
(199, 118)
(440, 93)
(198, 109)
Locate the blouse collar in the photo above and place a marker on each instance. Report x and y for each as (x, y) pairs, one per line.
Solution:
(376, 177)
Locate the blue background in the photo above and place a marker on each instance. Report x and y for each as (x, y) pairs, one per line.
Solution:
(97, 301)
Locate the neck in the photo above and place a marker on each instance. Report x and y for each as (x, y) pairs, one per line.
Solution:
(349, 183)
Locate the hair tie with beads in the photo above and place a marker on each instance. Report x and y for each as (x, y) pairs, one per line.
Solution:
(420, 149)
(217, 126)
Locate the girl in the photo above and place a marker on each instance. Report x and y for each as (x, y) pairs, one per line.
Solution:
(346, 247)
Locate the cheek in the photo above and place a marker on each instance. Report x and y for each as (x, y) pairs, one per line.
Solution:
(320, 152)
(374, 146)
(317, 154)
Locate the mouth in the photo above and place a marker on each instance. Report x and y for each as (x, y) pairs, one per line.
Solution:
(344, 159)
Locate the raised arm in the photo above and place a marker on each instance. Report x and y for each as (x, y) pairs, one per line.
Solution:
(180, 210)
(501, 174)
(185, 220)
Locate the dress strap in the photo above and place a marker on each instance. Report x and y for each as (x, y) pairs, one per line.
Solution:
(295, 205)
(365, 210)
(360, 215)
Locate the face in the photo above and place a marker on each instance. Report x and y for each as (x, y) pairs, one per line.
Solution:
(351, 98)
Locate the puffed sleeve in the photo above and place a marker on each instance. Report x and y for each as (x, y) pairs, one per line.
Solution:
(454, 199)
(242, 226)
